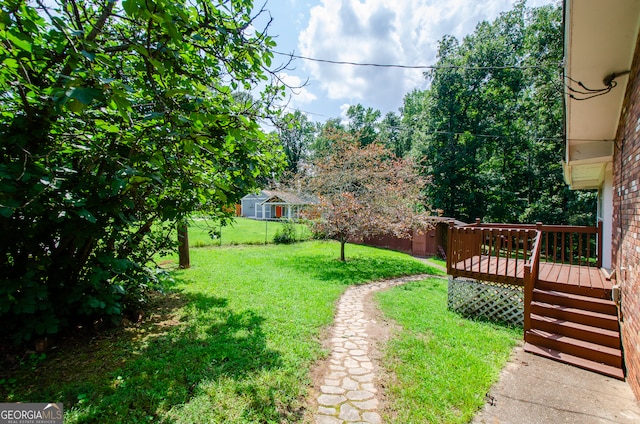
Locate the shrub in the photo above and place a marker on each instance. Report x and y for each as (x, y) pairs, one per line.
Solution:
(286, 234)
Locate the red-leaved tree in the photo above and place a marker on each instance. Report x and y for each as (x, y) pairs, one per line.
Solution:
(364, 191)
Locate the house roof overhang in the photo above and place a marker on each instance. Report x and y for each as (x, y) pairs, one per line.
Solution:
(600, 39)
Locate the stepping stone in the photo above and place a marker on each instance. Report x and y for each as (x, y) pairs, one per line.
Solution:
(330, 400)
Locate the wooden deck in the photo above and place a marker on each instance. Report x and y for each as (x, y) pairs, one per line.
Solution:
(568, 314)
(511, 271)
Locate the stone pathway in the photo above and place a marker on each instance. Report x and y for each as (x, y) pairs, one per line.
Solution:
(350, 386)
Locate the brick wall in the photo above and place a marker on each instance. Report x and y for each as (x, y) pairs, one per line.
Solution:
(626, 222)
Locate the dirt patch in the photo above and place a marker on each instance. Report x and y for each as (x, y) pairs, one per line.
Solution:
(317, 373)
(380, 331)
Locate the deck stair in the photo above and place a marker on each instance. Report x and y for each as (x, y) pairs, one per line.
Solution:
(577, 327)
(568, 314)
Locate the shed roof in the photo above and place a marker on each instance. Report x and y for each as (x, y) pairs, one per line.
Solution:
(288, 197)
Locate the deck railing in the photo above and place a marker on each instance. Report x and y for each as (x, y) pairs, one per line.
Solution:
(564, 244)
(572, 245)
(499, 251)
(490, 251)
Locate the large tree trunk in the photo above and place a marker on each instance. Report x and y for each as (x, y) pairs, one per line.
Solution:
(342, 243)
(183, 245)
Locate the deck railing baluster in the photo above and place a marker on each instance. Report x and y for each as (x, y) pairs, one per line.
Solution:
(571, 248)
(498, 250)
(580, 255)
(508, 252)
(599, 244)
(517, 250)
(489, 252)
(525, 247)
(546, 246)
(588, 250)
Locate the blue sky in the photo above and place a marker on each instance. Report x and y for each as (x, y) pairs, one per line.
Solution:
(372, 31)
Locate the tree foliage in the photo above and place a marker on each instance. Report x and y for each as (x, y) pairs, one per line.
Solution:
(362, 123)
(489, 129)
(324, 137)
(296, 133)
(118, 120)
(364, 191)
(391, 134)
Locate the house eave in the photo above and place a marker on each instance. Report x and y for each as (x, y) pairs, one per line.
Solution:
(585, 176)
(600, 40)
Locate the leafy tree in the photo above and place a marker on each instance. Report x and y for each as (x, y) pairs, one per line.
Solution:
(324, 137)
(390, 134)
(364, 191)
(118, 121)
(489, 129)
(446, 149)
(296, 133)
(363, 123)
(411, 126)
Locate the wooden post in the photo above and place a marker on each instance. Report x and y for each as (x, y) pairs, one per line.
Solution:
(528, 297)
(599, 245)
(449, 246)
(539, 229)
(531, 272)
(183, 245)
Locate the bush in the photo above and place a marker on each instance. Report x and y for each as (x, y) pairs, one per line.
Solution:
(97, 148)
(286, 234)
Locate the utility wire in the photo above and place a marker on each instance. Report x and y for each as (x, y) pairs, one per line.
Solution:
(588, 93)
(574, 93)
(386, 65)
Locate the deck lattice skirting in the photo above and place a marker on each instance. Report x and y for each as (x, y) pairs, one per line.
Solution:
(488, 300)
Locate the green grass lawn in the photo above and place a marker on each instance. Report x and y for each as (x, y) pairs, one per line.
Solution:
(232, 343)
(443, 363)
(235, 337)
(240, 231)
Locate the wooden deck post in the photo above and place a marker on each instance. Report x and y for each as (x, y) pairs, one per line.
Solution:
(528, 297)
(450, 246)
(599, 246)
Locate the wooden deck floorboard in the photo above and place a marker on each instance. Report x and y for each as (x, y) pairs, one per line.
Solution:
(492, 268)
(544, 272)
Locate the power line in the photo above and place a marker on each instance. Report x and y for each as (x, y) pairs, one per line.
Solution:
(589, 93)
(387, 65)
(306, 111)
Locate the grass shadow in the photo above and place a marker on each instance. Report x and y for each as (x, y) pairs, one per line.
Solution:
(151, 371)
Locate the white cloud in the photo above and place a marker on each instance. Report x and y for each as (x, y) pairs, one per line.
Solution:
(387, 32)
